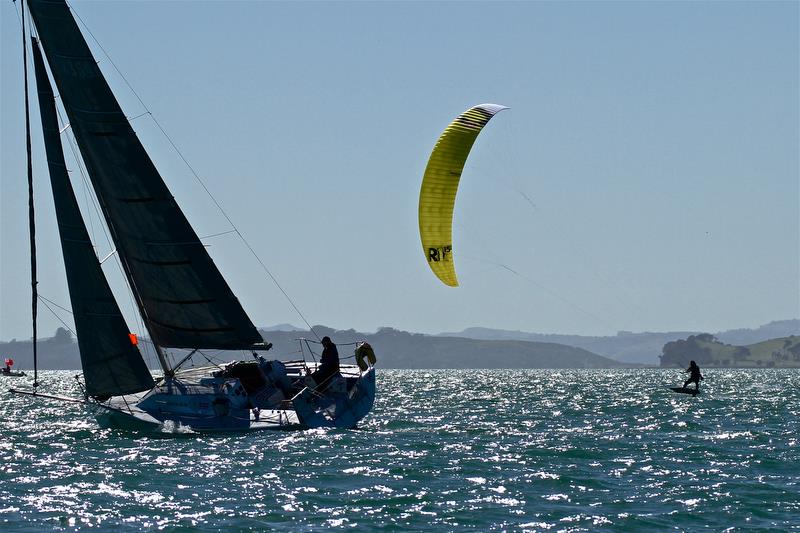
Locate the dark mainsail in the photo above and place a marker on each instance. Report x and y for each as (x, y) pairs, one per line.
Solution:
(183, 298)
(111, 364)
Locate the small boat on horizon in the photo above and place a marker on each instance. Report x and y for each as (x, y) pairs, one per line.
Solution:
(7, 372)
(12, 374)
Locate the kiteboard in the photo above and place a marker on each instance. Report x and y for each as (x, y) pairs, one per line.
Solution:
(686, 390)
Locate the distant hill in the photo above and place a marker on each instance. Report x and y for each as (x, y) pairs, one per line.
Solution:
(472, 348)
(281, 327)
(773, 330)
(709, 351)
(401, 349)
(57, 352)
(395, 349)
(629, 347)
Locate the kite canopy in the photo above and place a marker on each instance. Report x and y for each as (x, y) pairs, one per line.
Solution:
(437, 196)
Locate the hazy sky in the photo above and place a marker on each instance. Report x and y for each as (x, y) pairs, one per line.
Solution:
(645, 177)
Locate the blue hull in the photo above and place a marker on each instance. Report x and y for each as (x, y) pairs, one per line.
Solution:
(196, 402)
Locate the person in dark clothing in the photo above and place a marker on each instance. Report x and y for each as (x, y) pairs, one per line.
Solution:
(328, 364)
(694, 377)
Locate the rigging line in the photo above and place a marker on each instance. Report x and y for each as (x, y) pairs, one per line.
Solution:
(337, 344)
(51, 302)
(147, 350)
(313, 355)
(547, 290)
(235, 229)
(196, 176)
(514, 181)
(90, 200)
(550, 291)
(218, 234)
(74, 12)
(208, 359)
(59, 318)
(86, 196)
(608, 281)
(16, 10)
(140, 115)
(525, 196)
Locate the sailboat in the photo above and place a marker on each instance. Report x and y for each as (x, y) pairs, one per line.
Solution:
(183, 299)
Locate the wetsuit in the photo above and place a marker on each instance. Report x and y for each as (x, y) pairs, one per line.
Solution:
(694, 377)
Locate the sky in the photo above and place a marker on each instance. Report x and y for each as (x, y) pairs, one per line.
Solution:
(645, 178)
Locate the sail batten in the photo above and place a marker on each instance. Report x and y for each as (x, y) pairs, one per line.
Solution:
(162, 256)
(167, 263)
(182, 302)
(190, 329)
(111, 365)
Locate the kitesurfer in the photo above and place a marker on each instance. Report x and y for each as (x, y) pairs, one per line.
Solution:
(694, 375)
(328, 364)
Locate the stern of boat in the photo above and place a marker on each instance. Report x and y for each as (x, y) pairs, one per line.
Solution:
(345, 402)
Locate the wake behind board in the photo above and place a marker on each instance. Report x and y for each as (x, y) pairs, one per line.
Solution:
(686, 390)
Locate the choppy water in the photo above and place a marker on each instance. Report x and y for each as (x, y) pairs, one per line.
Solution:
(441, 451)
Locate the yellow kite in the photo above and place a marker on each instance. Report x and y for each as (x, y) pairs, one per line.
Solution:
(440, 184)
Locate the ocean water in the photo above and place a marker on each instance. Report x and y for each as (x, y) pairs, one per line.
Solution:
(495, 450)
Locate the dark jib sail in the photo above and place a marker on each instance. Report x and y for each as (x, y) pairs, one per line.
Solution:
(111, 364)
(183, 298)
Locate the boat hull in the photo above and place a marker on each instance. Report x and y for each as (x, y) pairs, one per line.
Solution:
(339, 408)
(206, 405)
(13, 374)
(109, 417)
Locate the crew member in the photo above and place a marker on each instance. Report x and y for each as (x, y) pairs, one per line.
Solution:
(694, 375)
(328, 364)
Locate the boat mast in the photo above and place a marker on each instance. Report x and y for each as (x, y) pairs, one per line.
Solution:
(31, 218)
